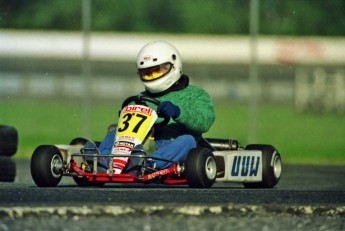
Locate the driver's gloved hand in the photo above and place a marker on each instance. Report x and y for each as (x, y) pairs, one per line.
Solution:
(167, 108)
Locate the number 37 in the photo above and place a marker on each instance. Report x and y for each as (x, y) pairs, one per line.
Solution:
(127, 119)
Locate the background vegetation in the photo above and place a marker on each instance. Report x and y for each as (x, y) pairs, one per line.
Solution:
(300, 138)
(279, 17)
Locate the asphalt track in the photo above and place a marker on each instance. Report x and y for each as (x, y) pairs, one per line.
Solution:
(306, 198)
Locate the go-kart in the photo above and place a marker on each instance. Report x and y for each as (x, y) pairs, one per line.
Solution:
(213, 160)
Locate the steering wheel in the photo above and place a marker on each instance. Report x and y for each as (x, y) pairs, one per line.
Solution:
(141, 99)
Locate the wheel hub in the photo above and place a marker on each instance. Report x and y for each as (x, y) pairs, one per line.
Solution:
(277, 166)
(56, 166)
(211, 168)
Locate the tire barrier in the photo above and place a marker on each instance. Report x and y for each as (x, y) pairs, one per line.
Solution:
(8, 147)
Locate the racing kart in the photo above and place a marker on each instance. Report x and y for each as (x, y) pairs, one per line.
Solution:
(213, 160)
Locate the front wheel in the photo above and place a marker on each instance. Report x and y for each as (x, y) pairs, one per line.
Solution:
(200, 168)
(46, 166)
(271, 166)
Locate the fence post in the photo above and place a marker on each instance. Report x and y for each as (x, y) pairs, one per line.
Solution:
(339, 91)
(301, 90)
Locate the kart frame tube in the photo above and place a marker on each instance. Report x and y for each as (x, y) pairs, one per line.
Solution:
(94, 176)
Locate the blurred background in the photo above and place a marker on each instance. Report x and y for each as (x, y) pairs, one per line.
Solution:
(275, 69)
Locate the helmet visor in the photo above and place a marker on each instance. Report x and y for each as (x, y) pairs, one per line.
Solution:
(155, 72)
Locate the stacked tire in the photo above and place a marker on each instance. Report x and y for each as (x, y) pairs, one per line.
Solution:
(8, 147)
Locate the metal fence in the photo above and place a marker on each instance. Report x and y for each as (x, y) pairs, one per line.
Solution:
(49, 64)
(304, 71)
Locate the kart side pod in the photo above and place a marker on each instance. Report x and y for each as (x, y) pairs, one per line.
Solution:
(257, 166)
(238, 166)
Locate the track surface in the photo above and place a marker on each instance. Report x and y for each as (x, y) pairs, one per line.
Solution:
(306, 198)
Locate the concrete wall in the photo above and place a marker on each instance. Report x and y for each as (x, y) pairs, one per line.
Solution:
(195, 49)
(50, 64)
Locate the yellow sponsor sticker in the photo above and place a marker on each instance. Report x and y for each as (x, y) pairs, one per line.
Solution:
(135, 122)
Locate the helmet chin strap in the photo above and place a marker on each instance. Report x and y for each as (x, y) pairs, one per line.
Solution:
(180, 84)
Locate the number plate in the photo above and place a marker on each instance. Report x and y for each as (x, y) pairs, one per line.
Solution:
(134, 124)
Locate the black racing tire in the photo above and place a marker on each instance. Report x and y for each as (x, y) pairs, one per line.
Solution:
(78, 141)
(46, 166)
(82, 141)
(8, 140)
(200, 168)
(82, 182)
(271, 166)
(7, 169)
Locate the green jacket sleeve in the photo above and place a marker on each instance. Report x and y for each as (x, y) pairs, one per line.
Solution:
(197, 112)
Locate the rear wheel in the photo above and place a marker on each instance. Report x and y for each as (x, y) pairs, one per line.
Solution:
(46, 166)
(78, 141)
(271, 166)
(200, 168)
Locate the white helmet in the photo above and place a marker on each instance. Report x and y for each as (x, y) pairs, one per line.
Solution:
(159, 66)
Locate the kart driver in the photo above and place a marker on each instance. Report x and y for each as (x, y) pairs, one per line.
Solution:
(189, 107)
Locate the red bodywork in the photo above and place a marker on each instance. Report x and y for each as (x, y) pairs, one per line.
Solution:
(169, 176)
